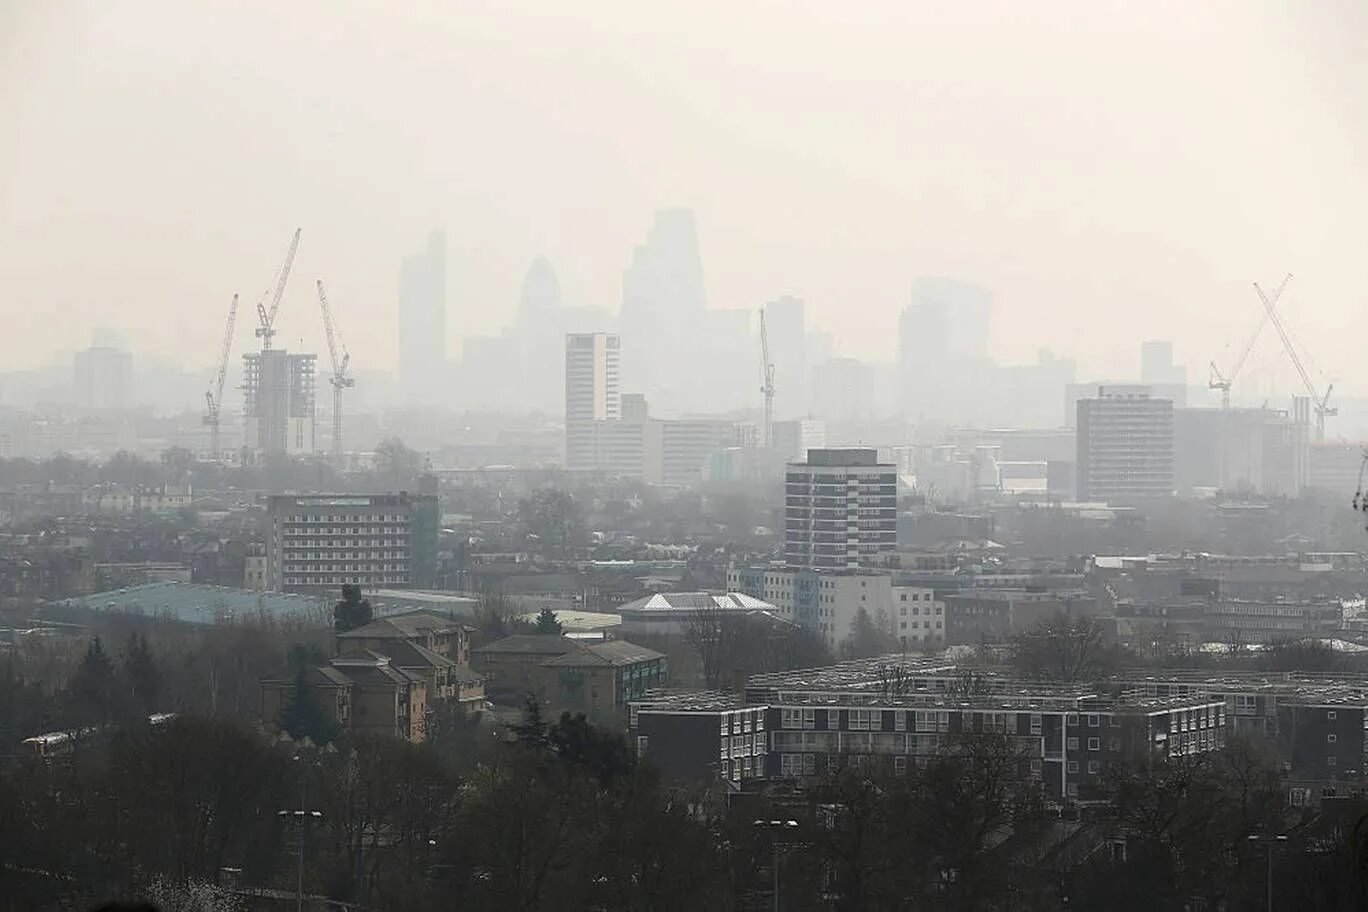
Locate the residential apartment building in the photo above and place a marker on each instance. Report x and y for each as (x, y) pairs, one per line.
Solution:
(995, 615)
(592, 392)
(364, 693)
(700, 735)
(373, 540)
(827, 602)
(565, 675)
(426, 644)
(1125, 445)
(840, 510)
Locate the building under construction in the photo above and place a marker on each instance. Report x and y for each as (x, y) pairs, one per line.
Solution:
(278, 402)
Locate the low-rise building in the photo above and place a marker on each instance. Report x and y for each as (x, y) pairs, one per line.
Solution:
(700, 735)
(362, 691)
(671, 613)
(995, 615)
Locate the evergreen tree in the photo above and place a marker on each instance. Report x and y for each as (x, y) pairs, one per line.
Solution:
(143, 676)
(353, 611)
(92, 690)
(548, 624)
(304, 716)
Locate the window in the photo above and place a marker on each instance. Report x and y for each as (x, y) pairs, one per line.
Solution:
(1331, 739)
(899, 766)
(1330, 715)
(809, 718)
(642, 743)
(1073, 744)
(1094, 744)
(1115, 721)
(791, 764)
(809, 764)
(1331, 760)
(1035, 723)
(792, 718)
(1094, 767)
(1093, 720)
(1072, 719)
(634, 716)
(1073, 766)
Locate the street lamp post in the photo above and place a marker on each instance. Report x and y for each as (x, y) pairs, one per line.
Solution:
(303, 814)
(775, 827)
(1270, 842)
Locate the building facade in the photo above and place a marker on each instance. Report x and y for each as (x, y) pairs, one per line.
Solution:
(840, 510)
(1125, 445)
(278, 403)
(375, 541)
(422, 322)
(592, 393)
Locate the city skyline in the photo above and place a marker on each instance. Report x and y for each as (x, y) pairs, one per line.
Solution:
(1009, 202)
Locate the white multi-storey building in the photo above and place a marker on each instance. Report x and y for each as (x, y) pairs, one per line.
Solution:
(376, 541)
(1125, 445)
(592, 393)
(840, 509)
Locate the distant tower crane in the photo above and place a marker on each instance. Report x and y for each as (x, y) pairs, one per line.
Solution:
(339, 378)
(266, 318)
(768, 388)
(1320, 403)
(213, 397)
(1221, 381)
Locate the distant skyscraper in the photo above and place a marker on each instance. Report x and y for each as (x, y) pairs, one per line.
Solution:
(541, 294)
(942, 348)
(1125, 445)
(422, 321)
(785, 319)
(103, 374)
(592, 392)
(841, 509)
(662, 306)
(1156, 363)
(540, 340)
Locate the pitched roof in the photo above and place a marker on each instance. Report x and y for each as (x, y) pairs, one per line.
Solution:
(533, 643)
(404, 626)
(611, 653)
(411, 655)
(698, 601)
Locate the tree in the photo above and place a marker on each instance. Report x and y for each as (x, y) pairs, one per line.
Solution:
(867, 638)
(548, 624)
(304, 716)
(553, 519)
(353, 611)
(93, 693)
(1063, 649)
(397, 462)
(496, 617)
(142, 673)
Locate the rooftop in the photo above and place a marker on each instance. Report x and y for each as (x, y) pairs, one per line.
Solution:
(404, 626)
(611, 653)
(692, 701)
(664, 602)
(198, 604)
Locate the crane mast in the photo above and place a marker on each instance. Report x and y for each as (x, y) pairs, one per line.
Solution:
(339, 378)
(213, 397)
(1222, 381)
(768, 387)
(1320, 403)
(266, 317)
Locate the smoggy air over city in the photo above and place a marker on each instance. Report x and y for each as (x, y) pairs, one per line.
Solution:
(654, 456)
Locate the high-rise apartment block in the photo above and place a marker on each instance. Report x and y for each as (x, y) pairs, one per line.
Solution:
(377, 541)
(592, 393)
(422, 321)
(840, 509)
(103, 376)
(278, 402)
(1125, 445)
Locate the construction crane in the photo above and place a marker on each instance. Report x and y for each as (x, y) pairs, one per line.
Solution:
(213, 397)
(1320, 403)
(1223, 382)
(768, 388)
(266, 317)
(339, 378)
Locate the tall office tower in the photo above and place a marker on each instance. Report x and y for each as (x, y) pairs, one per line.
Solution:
(539, 335)
(322, 541)
(103, 374)
(592, 392)
(662, 306)
(942, 349)
(840, 509)
(786, 323)
(1156, 363)
(278, 402)
(1125, 445)
(422, 322)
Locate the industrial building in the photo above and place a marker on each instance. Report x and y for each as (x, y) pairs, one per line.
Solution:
(376, 541)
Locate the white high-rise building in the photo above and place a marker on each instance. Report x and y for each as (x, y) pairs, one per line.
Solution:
(592, 392)
(1125, 445)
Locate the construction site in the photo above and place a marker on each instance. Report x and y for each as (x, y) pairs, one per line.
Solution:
(279, 388)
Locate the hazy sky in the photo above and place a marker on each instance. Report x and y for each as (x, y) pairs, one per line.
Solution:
(1111, 170)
